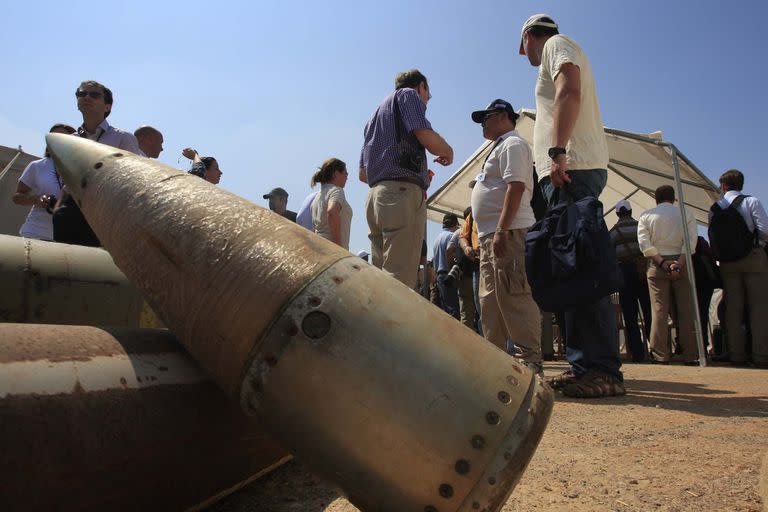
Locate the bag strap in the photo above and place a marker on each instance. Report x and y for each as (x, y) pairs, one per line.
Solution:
(398, 119)
(735, 204)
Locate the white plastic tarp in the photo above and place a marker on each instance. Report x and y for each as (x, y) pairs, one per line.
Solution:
(638, 165)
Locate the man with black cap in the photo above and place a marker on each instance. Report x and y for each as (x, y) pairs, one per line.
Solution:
(570, 149)
(278, 203)
(633, 266)
(448, 294)
(501, 207)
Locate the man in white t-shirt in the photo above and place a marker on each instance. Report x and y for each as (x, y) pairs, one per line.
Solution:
(570, 149)
(501, 207)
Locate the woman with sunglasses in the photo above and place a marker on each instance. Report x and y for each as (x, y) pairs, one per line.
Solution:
(331, 213)
(39, 186)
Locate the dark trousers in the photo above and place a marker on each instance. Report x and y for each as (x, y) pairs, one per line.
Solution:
(449, 296)
(635, 289)
(591, 334)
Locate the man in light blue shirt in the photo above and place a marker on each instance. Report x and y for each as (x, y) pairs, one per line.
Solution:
(304, 215)
(745, 281)
(448, 294)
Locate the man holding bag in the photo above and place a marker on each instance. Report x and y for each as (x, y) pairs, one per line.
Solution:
(569, 148)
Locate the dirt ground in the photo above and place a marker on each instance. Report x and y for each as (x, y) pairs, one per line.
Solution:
(682, 439)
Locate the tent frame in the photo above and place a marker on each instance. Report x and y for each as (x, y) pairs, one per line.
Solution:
(676, 154)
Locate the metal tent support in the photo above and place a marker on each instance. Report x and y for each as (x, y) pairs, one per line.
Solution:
(10, 164)
(688, 259)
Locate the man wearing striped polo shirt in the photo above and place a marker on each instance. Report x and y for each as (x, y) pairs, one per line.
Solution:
(393, 162)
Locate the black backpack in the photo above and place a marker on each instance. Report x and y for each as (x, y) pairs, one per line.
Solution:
(729, 236)
(569, 257)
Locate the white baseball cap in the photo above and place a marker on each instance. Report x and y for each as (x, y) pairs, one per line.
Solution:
(536, 21)
(362, 254)
(623, 205)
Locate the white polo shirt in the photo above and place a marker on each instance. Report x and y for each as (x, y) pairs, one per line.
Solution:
(511, 160)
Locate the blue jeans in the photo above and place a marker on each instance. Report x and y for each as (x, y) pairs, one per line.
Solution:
(449, 296)
(591, 333)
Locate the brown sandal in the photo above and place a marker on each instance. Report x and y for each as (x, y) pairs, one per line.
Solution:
(594, 384)
(560, 381)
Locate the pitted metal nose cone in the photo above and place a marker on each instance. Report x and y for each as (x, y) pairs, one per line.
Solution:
(376, 389)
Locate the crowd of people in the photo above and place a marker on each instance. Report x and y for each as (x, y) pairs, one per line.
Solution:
(480, 269)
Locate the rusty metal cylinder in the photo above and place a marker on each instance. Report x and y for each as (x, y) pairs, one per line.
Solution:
(357, 375)
(51, 283)
(117, 419)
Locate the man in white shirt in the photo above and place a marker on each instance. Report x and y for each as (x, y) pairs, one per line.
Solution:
(569, 148)
(660, 233)
(745, 281)
(501, 207)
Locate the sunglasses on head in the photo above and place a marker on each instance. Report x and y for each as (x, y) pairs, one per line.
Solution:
(93, 94)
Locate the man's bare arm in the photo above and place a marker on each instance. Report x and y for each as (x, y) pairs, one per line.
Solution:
(567, 103)
(436, 145)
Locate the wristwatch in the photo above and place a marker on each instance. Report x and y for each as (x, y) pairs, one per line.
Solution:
(554, 152)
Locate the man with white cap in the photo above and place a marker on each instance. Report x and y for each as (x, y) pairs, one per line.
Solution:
(633, 266)
(571, 156)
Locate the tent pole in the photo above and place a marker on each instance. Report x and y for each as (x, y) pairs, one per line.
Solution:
(10, 164)
(689, 261)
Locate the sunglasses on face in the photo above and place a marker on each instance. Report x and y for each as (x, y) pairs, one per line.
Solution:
(490, 115)
(93, 94)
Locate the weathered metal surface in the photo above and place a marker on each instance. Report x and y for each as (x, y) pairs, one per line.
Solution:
(116, 419)
(377, 390)
(52, 283)
(401, 405)
(194, 250)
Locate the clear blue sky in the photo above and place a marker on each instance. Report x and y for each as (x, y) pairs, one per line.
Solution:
(271, 89)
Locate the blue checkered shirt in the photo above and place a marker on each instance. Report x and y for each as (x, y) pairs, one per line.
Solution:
(380, 156)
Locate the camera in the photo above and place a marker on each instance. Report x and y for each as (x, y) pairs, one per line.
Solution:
(412, 162)
(453, 277)
(51, 203)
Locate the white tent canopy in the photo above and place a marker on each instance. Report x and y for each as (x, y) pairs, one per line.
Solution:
(638, 165)
(12, 162)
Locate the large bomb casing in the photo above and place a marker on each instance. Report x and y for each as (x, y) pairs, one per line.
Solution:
(365, 381)
(117, 419)
(51, 283)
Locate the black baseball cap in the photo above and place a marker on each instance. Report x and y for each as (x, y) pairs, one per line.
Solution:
(496, 105)
(450, 219)
(276, 192)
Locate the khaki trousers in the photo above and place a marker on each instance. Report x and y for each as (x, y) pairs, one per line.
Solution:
(745, 283)
(396, 214)
(663, 291)
(507, 308)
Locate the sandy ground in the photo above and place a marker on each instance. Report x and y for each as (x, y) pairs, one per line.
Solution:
(682, 439)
